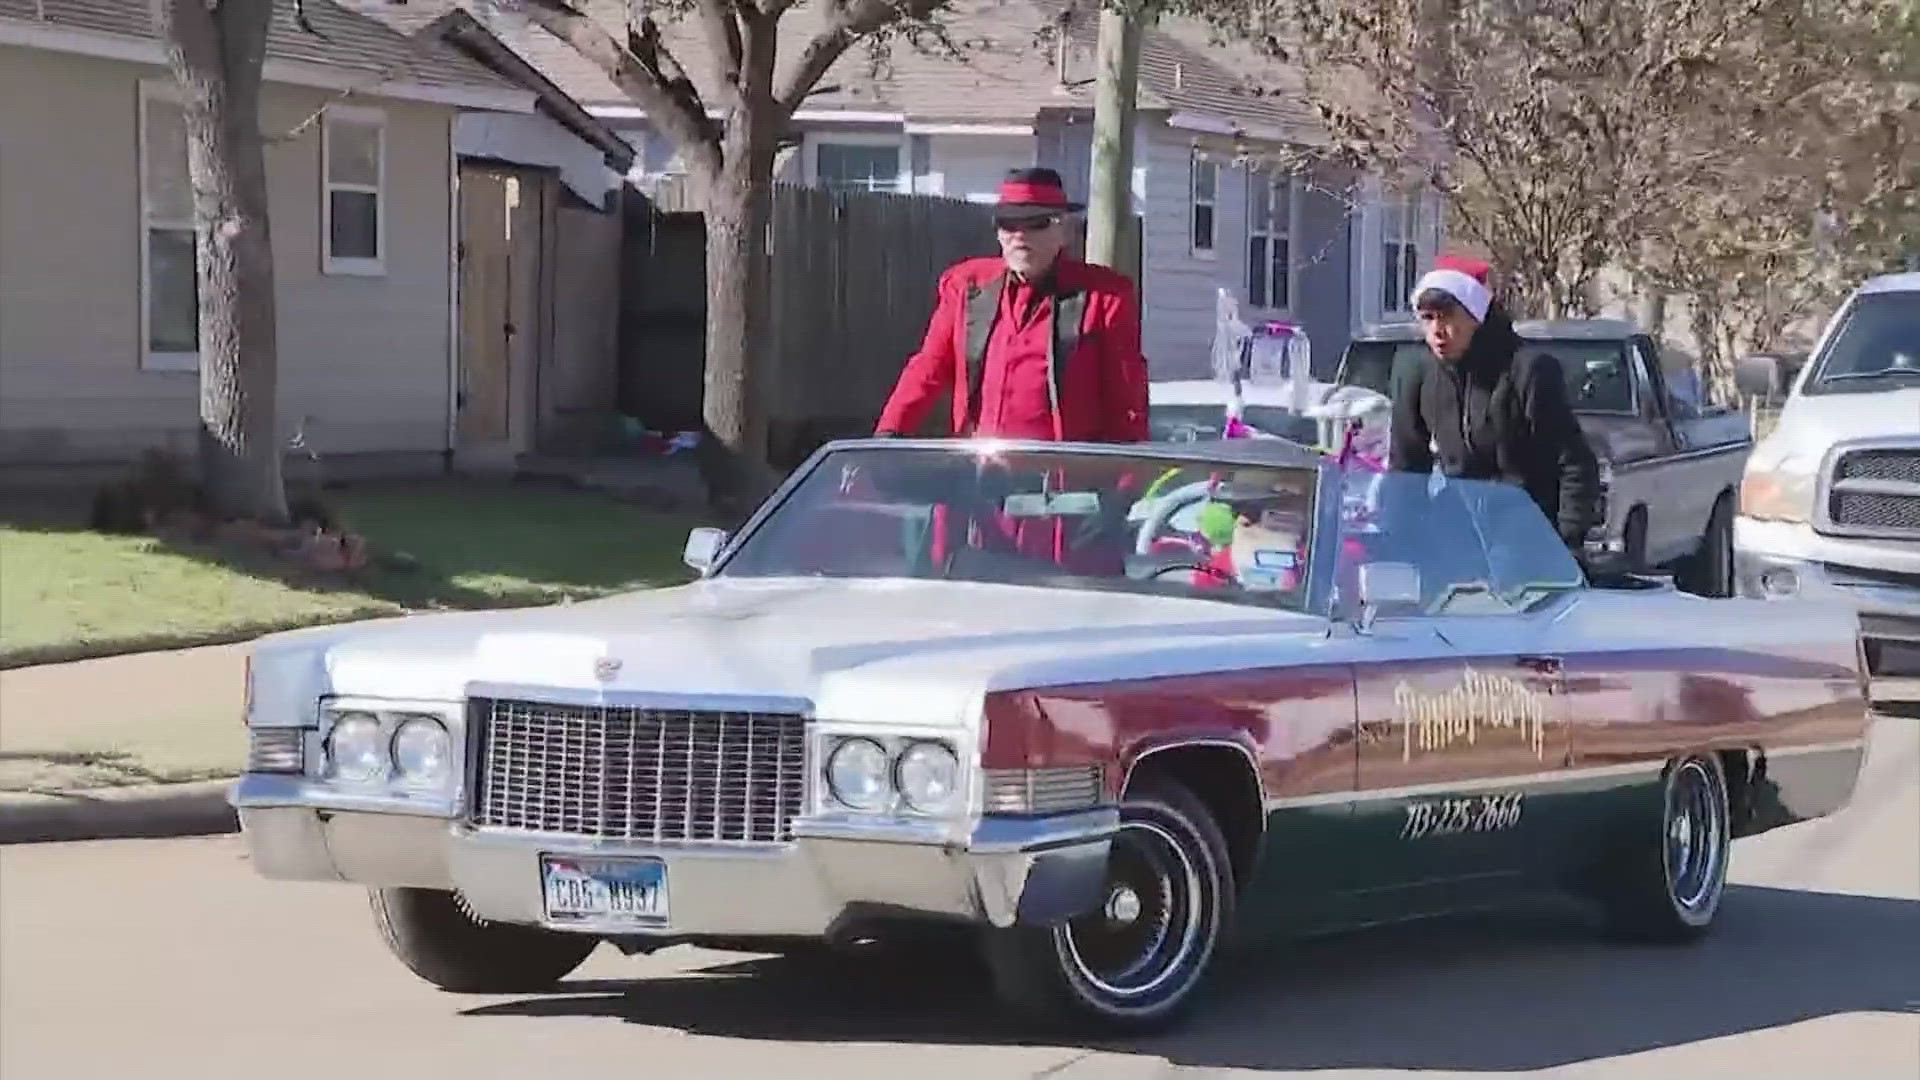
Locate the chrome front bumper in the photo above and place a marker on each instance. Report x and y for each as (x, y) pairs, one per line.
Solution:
(1010, 871)
(1773, 559)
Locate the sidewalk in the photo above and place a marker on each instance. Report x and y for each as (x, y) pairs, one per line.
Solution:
(93, 739)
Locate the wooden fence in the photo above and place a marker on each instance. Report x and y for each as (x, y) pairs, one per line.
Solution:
(853, 279)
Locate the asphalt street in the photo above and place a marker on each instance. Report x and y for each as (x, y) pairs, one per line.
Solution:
(165, 959)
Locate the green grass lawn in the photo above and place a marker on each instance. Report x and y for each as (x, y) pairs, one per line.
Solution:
(67, 593)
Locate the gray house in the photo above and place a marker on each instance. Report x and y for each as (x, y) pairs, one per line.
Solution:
(1316, 244)
(99, 348)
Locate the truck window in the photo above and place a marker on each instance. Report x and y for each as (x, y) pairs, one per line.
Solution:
(1373, 364)
(1599, 376)
(1875, 346)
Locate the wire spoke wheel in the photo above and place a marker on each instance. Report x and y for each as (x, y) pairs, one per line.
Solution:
(1149, 926)
(1694, 851)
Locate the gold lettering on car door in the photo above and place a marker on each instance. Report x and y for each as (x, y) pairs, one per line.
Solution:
(1432, 721)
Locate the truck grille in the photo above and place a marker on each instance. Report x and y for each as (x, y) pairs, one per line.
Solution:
(1876, 491)
(639, 774)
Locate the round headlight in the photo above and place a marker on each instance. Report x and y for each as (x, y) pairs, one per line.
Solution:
(422, 751)
(928, 776)
(354, 748)
(857, 774)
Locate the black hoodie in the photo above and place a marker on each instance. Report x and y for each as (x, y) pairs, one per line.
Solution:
(1492, 418)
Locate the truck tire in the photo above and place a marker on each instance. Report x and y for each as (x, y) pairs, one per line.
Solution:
(430, 932)
(1709, 571)
(1134, 966)
(1633, 537)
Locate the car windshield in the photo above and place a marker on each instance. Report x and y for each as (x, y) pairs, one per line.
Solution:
(1481, 547)
(1598, 377)
(1070, 518)
(1192, 423)
(1876, 342)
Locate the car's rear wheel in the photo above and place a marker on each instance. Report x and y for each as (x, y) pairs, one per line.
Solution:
(440, 941)
(1135, 964)
(1670, 885)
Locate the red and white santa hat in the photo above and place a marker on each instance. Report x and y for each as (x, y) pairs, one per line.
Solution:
(1463, 279)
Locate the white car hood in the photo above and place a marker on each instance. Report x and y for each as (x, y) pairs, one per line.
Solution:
(854, 650)
(1811, 423)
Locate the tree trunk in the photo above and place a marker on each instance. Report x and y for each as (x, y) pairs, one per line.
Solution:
(738, 211)
(217, 57)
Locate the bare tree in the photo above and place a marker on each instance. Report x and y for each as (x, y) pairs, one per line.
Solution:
(729, 144)
(1556, 117)
(1750, 155)
(217, 50)
(1817, 178)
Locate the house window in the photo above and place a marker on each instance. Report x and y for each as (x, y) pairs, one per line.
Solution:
(169, 286)
(1270, 241)
(353, 208)
(852, 167)
(1202, 193)
(1400, 230)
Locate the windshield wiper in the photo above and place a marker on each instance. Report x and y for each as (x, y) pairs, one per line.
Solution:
(1848, 376)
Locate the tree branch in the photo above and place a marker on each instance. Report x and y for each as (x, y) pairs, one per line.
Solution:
(849, 21)
(721, 18)
(188, 30)
(643, 71)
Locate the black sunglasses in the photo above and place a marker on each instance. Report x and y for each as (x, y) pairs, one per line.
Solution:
(1027, 222)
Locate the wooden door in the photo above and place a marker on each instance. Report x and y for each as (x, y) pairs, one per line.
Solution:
(486, 310)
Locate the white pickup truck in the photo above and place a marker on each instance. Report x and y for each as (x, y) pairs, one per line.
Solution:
(1670, 467)
(1831, 500)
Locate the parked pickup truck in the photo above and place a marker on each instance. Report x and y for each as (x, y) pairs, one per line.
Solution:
(1831, 501)
(1670, 467)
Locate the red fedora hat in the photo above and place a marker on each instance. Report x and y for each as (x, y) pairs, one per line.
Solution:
(1035, 190)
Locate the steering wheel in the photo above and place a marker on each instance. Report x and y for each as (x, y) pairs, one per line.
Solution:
(1197, 568)
(1157, 520)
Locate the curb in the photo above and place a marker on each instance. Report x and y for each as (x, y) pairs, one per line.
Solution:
(148, 811)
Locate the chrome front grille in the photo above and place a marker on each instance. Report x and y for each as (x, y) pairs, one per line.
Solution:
(1876, 491)
(639, 774)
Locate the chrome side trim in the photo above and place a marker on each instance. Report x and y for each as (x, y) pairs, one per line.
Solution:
(1253, 766)
(1479, 783)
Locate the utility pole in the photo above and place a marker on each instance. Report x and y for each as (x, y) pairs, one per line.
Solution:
(1110, 222)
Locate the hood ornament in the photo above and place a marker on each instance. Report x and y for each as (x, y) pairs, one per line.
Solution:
(606, 668)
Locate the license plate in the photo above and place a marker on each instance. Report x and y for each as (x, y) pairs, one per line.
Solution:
(605, 892)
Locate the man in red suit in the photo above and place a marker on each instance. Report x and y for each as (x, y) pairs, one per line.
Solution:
(1034, 344)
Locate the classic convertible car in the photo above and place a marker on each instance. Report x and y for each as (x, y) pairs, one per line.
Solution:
(957, 685)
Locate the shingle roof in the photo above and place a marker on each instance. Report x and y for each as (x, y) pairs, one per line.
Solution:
(1007, 69)
(344, 39)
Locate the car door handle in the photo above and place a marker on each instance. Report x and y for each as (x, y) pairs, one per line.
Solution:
(1541, 665)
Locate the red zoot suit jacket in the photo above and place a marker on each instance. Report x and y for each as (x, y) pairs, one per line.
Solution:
(1058, 360)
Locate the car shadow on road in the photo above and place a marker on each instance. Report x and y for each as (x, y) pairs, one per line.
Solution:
(1529, 991)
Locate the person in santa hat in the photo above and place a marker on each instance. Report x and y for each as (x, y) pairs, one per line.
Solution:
(1479, 412)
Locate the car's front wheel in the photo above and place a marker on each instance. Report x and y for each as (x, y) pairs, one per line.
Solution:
(1670, 885)
(440, 941)
(1134, 964)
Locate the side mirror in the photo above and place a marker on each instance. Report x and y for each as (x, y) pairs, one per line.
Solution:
(1758, 376)
(703, 546)
(1386, 584)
